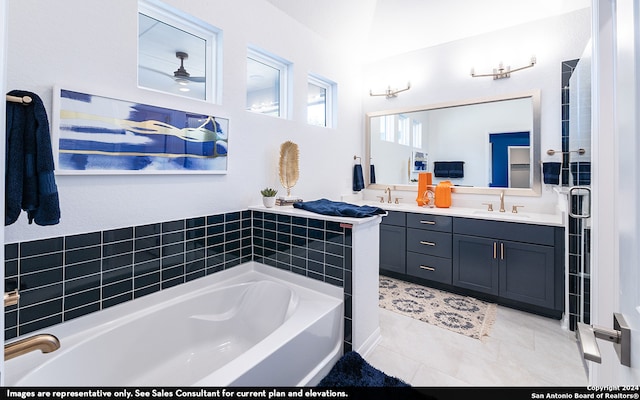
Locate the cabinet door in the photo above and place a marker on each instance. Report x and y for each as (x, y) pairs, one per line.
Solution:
(475, 263)
(527, 273)
(393, 248)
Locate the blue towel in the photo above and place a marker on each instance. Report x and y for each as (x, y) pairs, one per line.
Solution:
(551, 172)
(30, 183)
(373, 174)
(338, 208)
(358, 178)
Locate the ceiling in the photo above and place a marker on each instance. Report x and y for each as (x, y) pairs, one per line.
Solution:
(382, 28)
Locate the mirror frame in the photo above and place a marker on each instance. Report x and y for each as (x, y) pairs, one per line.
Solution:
(536, 187)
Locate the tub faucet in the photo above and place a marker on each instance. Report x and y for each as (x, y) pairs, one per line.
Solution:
(388, 190)
(502, 201)
(43, 342)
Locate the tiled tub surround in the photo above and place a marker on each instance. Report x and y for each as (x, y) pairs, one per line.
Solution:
(62, 278)
(231, 328)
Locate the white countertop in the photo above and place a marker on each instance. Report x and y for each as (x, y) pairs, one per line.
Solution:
(478, 213)
(296, 212)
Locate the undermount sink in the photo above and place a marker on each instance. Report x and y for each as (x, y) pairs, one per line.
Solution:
(501, 214)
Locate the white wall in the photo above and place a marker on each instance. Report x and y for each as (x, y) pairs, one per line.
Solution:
(442, 73)
(91, 45)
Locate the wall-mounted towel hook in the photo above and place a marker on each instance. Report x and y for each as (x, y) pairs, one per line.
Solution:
(356, 157)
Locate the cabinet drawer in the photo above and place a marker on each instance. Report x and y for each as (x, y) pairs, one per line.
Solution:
(429, 267)
(429, 242)
(518, 232)
(396, 218)
(431, 222)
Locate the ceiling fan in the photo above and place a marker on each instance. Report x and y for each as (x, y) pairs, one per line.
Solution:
(181, 75)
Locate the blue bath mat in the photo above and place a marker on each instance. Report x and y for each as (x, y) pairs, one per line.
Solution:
(352, 370)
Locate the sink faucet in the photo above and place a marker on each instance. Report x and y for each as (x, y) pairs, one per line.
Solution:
(43, 342)
(502, 201)
(388, 190)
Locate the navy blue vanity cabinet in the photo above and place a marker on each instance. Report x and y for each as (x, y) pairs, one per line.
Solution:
(393, 242)
(429, 247)
(518, 263)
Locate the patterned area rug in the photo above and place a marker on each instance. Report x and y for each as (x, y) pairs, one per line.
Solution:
(461, 314)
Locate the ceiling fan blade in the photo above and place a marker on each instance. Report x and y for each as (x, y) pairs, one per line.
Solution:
(198, 79)
(155, 71)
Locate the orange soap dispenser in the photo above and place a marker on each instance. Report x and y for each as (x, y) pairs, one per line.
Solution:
(443, 194)
(424, 182)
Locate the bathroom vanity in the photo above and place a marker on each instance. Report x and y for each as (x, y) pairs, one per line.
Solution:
(513, 263)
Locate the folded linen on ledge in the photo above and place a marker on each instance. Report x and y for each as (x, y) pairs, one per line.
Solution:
(339, 208)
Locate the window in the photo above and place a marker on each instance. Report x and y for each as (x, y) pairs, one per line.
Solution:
(267, 84)
(404, 126)
(177, 53)
(417, 134)
(320, 105)
(387, 127)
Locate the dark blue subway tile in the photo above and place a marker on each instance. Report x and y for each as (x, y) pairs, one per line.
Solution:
(82, 284)
(173, 249)
(40, 294)
(39, 279)
(172, 261)
(83, 240)
(215, 219)
(38, 247)
(147, 242)
(146, 267)
(196, 233)
(175, 237)
(82, 269)
(34, 325)
(117, 275)
(39, 263)
(11, 251)
(333, 260)
(196, 222)
(141, 281)
(82, 255)
(146, 255)
(146, 290)
(113, 301)
(116, 235)
(173, 282)
(81, 299)
(118, 261)
(148, 230)
(11, 268)
(172, 226)
(315, 223)
(81, 311)
(113, 249)
(232, 216)
(117, 289)
(40, 310)
(215, 230)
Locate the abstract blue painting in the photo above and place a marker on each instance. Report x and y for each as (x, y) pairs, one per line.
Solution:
(104, 135)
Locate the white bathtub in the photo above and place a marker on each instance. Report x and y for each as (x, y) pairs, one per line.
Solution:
(250, 325)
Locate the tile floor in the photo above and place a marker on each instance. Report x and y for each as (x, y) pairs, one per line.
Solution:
(522, 349)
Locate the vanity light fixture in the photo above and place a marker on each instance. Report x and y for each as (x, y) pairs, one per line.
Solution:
(504, 72)
(390, 93)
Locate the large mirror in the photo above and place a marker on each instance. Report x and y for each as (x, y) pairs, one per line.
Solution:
(479, 145)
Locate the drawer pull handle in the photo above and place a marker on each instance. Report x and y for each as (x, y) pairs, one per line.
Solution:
(427, 243)
(427, 268)
(428, 222)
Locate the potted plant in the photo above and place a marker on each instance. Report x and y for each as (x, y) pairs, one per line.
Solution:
(269, 197)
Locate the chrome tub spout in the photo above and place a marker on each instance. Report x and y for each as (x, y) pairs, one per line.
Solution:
(43, 342)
